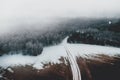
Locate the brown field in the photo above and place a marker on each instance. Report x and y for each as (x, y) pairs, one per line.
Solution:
(101, 67)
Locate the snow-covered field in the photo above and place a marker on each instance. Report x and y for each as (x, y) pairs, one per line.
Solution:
(53, 54)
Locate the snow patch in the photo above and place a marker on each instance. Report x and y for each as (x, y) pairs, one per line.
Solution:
(0, 76)
(10, 70)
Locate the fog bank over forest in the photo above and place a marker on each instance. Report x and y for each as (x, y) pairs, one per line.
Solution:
(34, 14)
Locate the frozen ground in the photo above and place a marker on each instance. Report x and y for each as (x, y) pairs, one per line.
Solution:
(53, 53)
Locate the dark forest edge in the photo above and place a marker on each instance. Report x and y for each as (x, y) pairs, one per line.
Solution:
(106, 35)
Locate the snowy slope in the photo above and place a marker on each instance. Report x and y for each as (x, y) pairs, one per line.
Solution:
(53, 53)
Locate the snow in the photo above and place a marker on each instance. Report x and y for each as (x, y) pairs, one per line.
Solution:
(110, 22)
(53, 53)
(0, 76)
(10, 70)
(16, 59)
(74, 66)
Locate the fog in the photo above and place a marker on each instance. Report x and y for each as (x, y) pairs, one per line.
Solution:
(14, 13)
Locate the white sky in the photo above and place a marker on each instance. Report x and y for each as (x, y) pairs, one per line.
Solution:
(18, 11)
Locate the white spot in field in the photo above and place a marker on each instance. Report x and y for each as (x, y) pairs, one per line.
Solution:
(10, 70)
(38, 71)
(0, 76)
(110, 22)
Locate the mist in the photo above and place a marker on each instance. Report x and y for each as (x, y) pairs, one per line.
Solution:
(15, 14)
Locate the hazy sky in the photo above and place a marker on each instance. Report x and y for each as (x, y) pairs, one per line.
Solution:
(30, 11)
